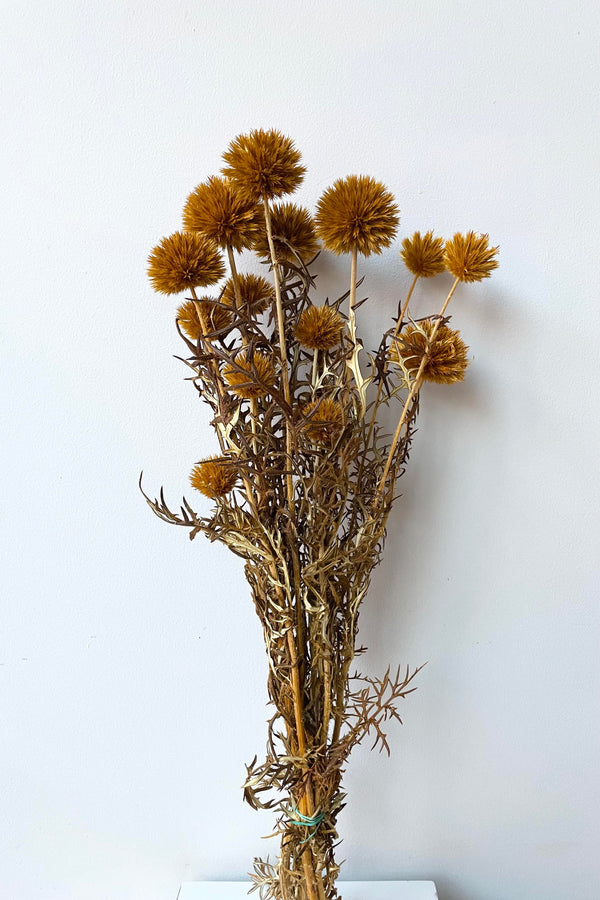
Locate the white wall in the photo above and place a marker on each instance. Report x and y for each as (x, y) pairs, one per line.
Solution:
(131, 665)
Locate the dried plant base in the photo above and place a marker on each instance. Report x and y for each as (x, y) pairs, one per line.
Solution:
(349, 890)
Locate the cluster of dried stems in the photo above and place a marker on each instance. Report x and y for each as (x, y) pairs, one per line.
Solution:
(305, 481)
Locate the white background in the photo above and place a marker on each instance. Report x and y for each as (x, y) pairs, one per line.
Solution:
(132, 672)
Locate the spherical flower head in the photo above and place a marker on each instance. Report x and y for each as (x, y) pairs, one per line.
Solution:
(252, 376)
(182, 261)
(324, 420)
(263, 164)
(357, 212)
(204, 318)
(214, 477)
(469, 256)
(293, 234)
(216, 209)
(319, 327)
(256, 293)
(446, 355)
(423, 255)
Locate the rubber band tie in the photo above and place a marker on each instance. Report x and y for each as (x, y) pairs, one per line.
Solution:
(313, 822)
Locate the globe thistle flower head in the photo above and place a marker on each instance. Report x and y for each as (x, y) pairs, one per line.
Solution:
(357, 212)
(469, 256)
(184, 260)
(252, 376)
(216, 209)
(423, 255)
(324, 420)
(319, 327)
(446, 355)
(293, 234)
(214, 477)
(201, 318)
(256, 293)
(263, 164)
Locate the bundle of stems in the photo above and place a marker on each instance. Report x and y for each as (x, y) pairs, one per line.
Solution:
(305, 476)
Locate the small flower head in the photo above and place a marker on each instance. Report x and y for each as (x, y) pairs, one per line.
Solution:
(216, 210)
(255, 291)
(252, 375)
(263, 164)
(319, 327)
(293, 234)
(324, 420)
(204, 317)
(182, 261)
(423, 255)
(214, 477)
(469, 256)
(357, 212)
(446, 355)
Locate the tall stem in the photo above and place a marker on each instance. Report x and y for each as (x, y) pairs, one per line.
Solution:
(353, 271)
(234, 278)
(285, 379)
(307, 807)
(416, 385)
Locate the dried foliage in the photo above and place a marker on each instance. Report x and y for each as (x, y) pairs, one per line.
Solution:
(304, 485)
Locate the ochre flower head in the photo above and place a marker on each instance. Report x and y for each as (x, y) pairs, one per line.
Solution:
(325, 420)
(214, 477)
(216, 209)
(319, 327)
(201, 318)
(255, 291)
(423, 255)
(469, 256)
(357, 212)
(263, 164)
(293, 230)
(182, 261)
(446, 356)
(252, 376)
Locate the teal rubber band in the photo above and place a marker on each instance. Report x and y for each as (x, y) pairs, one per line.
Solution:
(308, 821)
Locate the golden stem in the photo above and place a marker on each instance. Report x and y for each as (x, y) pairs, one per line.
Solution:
(353, 268)
(416, 385)
(237, 293)
(285, 380)
(315, 368)
(234, 278)
(404, 308)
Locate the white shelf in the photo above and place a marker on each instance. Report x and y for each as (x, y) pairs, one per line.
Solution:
(349, 890)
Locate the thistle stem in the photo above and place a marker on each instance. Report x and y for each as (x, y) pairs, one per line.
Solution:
(404, 309)
(285, 379)
(416, 386)
(353, 271)
(234, 278)
(315, 368)
(215, 370)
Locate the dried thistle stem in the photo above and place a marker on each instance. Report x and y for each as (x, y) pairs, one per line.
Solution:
(416, 386)
(234, 278)
(404, 309)
(285, 379)
(353, 272)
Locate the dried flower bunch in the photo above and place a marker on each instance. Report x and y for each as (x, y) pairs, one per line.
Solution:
(305, 477)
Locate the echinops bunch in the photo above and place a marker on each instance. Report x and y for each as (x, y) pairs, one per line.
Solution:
(305, 475)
